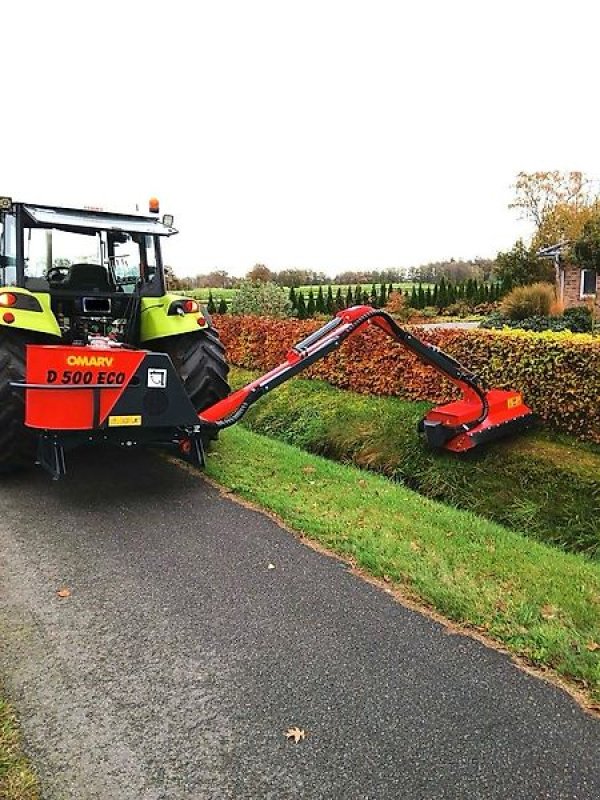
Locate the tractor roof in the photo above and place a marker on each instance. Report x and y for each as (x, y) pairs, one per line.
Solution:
(78, 218)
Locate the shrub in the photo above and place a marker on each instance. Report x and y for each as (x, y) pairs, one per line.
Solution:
(459, 309)
(558, 373)
(529, 301)
(261, 299)
(579, 319)
(575, 320)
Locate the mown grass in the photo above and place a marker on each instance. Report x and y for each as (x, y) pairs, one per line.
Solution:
(17, 781)
(541, 484)
(538, 601)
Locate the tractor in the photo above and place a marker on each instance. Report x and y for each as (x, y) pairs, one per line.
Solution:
(94, 349)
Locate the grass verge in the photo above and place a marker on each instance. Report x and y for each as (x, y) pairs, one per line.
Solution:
(17, 781)
(538, 601)
(543, 484)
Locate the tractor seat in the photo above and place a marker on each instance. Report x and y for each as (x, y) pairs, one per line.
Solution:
(89, 278)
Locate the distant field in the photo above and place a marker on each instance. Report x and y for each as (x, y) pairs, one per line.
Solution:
(227, 294)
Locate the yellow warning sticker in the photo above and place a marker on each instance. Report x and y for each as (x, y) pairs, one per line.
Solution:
(515, 401)
(125, 419)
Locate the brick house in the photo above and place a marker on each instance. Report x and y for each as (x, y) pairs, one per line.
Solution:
(574, 286)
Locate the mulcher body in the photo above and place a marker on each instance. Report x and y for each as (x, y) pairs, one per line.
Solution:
(93, 349)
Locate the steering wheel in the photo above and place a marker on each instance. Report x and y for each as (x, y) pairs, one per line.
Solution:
(57, 274)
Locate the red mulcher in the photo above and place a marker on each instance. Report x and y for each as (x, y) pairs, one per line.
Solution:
(99, 393)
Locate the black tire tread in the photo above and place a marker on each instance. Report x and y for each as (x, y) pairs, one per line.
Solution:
(17, 443)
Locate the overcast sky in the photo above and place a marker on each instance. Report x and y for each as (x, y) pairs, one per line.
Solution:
(326, 134)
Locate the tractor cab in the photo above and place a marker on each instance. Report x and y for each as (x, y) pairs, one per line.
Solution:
(94, 265)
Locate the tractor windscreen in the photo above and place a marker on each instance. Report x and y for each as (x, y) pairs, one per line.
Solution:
(68, 260)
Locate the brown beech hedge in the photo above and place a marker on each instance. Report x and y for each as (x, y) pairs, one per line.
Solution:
(558, 373)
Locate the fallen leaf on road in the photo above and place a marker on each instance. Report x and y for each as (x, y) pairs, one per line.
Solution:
(592, 646)
(297, 734)
(63, 592)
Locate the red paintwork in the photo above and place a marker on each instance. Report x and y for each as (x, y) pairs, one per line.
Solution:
(503, 405)
(72, 409)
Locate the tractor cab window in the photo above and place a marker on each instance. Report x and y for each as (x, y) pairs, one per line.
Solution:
(132, 258)
(8, 250)
(49, 255)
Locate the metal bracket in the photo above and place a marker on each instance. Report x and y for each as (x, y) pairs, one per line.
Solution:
(51, 456)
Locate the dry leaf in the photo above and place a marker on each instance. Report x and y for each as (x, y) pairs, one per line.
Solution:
(548, 612)
(362, 483)
(295, 733)
(63, 592)
(414, 546)
(271, 566)
(308, 470)
(592, 646)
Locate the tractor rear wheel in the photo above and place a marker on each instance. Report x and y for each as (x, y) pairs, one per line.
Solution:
(17, 443)
(199, 360)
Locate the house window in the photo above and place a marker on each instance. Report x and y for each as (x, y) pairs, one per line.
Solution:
(588, 282)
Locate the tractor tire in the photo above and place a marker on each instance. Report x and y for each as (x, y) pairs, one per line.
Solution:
(18, 444)
(199, 360)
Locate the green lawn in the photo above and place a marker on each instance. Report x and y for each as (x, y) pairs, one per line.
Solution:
(17, 781)
(536, 600)
(541, 483)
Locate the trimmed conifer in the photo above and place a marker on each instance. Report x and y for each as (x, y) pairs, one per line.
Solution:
(329, 304)
(300, 306)
(320, 304)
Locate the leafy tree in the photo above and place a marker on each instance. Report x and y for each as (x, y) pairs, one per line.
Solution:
(520, 266)
(260, 274)
(563, 223)
(311, 306)
(414, 299)
(222, 306)
(262, 299)
(537, 193)
(210, 306)
(292, 298)
(339, 301)
(428, 297)
(349, 298)
(586, 250)
(420, 297)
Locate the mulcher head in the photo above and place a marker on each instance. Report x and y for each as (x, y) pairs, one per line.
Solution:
(466, 423)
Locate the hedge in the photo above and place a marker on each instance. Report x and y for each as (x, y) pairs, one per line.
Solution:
(558, 373)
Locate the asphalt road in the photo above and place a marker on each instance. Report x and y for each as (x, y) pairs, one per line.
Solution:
(180, 659)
